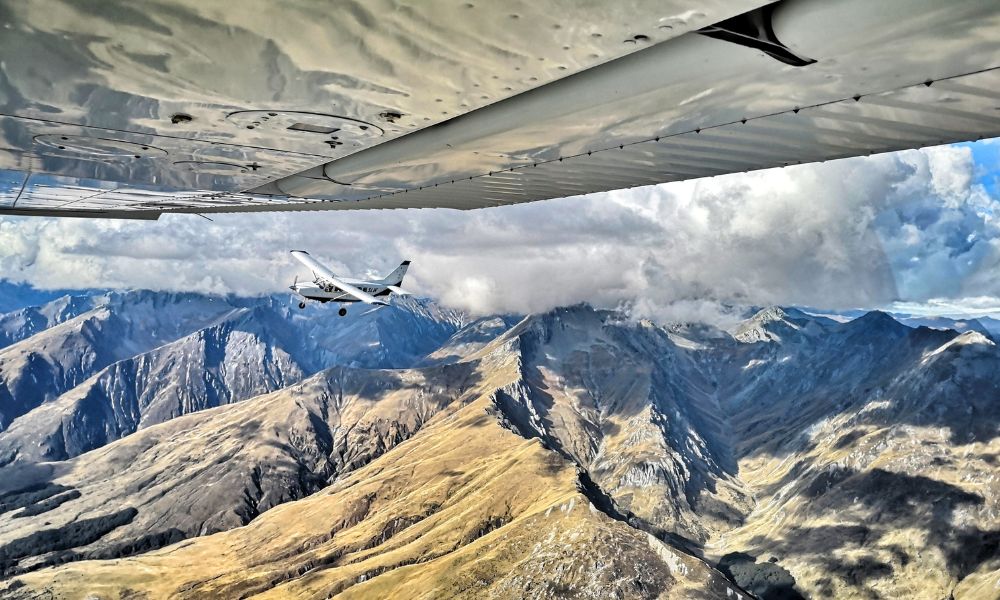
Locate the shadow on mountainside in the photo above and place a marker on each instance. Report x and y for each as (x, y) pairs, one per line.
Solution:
(875, 371)
(881, 504)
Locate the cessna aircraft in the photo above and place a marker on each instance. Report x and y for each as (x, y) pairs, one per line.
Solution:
(117, 109)
(327, 287)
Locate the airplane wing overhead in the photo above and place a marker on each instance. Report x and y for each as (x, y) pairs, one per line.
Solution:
(126, 110)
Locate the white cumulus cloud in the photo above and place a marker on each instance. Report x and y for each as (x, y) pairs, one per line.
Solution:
(859, 232)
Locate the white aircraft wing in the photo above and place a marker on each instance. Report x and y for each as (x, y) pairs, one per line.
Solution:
(325, 275)
(462, 105)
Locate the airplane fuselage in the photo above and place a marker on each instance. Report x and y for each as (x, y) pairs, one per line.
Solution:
(312, 291)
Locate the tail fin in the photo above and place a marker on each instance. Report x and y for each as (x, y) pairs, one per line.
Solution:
(396, 277)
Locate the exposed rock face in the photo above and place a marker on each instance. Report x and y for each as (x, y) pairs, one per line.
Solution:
(91, 387)
(82, 337)
(631, 407)
(576, 453)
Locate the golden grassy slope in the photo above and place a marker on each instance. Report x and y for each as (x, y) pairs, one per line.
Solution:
(464, 509)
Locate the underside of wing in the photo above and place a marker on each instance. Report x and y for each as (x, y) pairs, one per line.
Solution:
(460, 105)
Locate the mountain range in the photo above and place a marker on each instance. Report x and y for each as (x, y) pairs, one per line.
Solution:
(159, 445)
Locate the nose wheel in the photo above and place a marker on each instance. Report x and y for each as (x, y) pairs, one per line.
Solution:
(342, 312)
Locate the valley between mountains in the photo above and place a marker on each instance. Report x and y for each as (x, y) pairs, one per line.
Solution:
(160, 445)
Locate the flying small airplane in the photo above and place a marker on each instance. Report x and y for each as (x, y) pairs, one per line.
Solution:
(327, 287)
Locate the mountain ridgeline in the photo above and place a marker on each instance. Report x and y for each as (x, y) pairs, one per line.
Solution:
(232, 447)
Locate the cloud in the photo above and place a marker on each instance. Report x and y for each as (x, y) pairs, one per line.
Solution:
(856, 232)
(957, 308)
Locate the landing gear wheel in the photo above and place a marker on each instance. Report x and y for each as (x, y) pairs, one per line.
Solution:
(342, 312)
(302, 304)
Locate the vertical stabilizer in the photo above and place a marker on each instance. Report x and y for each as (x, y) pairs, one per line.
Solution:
(396, 277)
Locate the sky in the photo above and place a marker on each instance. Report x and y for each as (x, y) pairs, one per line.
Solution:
(917, 231)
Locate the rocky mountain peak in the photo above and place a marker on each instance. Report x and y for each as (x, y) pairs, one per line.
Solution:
(771, 324)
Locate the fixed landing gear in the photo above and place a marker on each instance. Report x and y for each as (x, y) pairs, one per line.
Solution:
(342, 312)
(302, 304)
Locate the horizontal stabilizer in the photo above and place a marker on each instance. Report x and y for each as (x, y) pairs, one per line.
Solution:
(398, 290)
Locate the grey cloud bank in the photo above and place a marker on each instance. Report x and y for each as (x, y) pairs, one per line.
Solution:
(858, 232)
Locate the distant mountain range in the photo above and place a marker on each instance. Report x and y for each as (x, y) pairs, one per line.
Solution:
(233, 447)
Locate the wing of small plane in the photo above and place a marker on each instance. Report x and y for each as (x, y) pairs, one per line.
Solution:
(188, 106)
(326, 276)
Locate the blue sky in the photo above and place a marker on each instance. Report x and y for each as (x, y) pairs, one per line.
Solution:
(987, 158)
(918, 228)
